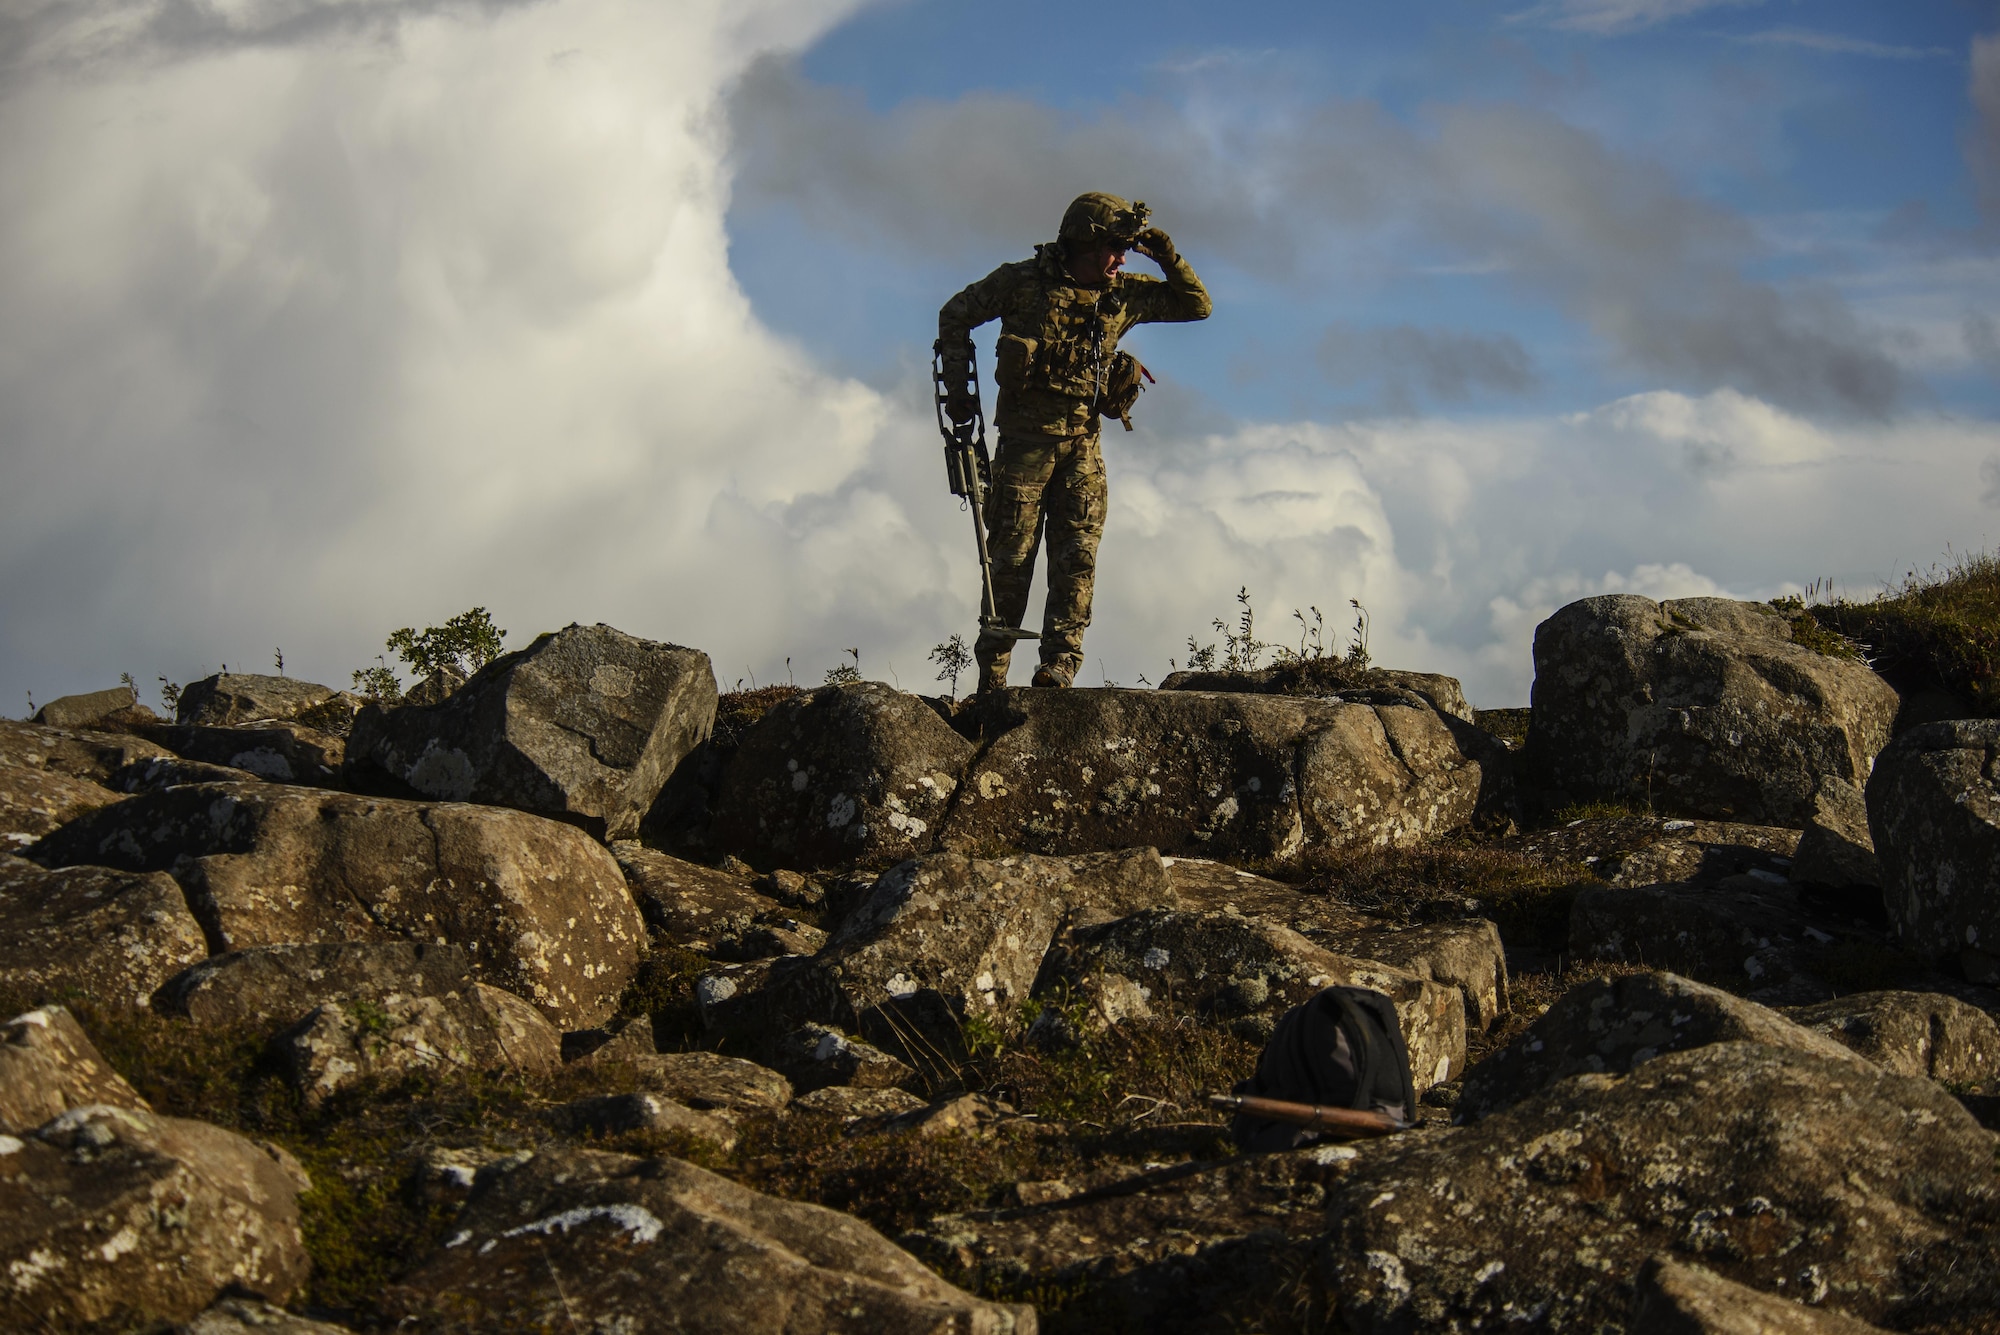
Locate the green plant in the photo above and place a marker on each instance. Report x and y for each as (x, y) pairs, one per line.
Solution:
(952, 658)
(845, 672)
(378, 683)
(1241, 647)
(1938, 630)
(170, 696)
(462, 645)
(278, 656)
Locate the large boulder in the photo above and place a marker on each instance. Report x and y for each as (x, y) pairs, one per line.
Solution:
(111, 936)
(1837, 849)
(541, 907)
(277, 751)
(1751, 935)
(116, 1219)
(1214, 775)
(1613, 1025)
(1934, 807)
(1701, 706)
(1829, 1180)
(586, 724)
(939, 941)
(1913, 1033)
(586, 1240)
(82, 711)
(50, 776)
(1325, 678)
(269, 987)
(48, 1066)
(698, 908)
(231, 698)
(1676, 1299)
(36, 802)
(479, 1028)
(1248, 973)
(853, 774)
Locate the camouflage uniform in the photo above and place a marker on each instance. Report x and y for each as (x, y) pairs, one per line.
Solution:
(1056, 341)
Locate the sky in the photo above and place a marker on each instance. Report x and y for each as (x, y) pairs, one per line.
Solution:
(319, 318)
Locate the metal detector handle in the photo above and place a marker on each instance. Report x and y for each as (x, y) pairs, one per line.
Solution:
(1346, 1122)
(966, 466)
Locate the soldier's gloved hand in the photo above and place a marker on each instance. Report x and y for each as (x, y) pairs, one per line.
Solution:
(1155, 245)
(960, 408)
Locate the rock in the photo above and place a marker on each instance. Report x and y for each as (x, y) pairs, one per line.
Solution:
(1197, 1247)
(482, 1028)
(705, 1081)
(617, 1114)
(1837, 849)
(699, 908)
(814, 1057)
(1934, 806)
(539, 905)
(1326, 678)
(1827, 1179)
(1676, 1299)
(111, 936)
(1704, 851)
(434, 689)
(95, 757)
(610, 1242)
(48, 1066)
(150, 776)
(231, 698)
(244, 1316)
(1210, 775)
(273, 986)
(1700, 706)
(36, 802)
(277, 752)
(1913, 1033)
(1615, 1025)
(81, 711)
(851, 1103)
(966, 1115)
(1466, 955)
(116, 1218)
(941, 940)
(1249, 973)
(1746, 934)
(793, 890)
(584, 725)
(849, 774)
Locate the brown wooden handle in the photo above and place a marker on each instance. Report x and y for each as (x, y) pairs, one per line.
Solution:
(1333, 1121)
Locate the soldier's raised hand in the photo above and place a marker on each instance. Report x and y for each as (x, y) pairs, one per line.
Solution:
(1155, 245)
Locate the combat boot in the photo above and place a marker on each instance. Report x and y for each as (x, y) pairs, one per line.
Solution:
(1059, 673)
(993, 676)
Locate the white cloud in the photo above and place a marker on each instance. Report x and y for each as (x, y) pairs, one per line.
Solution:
(1608, 17)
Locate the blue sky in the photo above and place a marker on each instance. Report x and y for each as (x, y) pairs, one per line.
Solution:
(319, 318)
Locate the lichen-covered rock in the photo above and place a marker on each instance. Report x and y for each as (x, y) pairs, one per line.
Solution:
(850, 774)
(1324, 678)
(585, 725)
(35, 802)
(1210, 775)
(1837, 849)
(277, 752)
(246, 1316)
(1613, 1025)
(540, 906)
(149, 776)
(699, 908)
(1191, 1248)
(611, 1242)
(48, 1066)
(78, 753)
(1676, 1299)
(273, 986)
(1704, 851)
(941, 940)
(815, 1056)
(1913, 1033)
(1934, 806)
(1829, 1180)
(852, 1103)
(1467, 955)
(1752, 935)
(616, 1114)
(231, 698)
(114, 1218)
(82, 711)
(111, 936)
(1701, 706)
(362, 1038)
(1248, 973)
(704, 1081)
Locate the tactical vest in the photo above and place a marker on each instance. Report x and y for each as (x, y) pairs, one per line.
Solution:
(1056, 337)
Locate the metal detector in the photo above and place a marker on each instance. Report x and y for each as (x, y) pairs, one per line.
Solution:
(968, 469)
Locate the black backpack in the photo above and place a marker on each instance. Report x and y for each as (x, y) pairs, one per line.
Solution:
(1341, 1049)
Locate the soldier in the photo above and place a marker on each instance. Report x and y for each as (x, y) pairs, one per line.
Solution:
(1061, 315)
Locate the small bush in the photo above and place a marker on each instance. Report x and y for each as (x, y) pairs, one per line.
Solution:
(1940, 630)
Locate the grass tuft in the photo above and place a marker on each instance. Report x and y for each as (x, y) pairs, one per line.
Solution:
(1940, 630)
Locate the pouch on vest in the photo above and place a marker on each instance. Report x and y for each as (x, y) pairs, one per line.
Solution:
(1123, 381)
(1341, 1049)
(1012, 357)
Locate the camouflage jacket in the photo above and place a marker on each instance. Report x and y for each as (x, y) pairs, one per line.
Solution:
(1056, 339)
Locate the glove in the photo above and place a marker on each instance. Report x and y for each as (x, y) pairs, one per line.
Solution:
(1155, 245)
(960, 408)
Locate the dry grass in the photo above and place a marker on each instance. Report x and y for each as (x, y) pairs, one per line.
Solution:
(1939, 630)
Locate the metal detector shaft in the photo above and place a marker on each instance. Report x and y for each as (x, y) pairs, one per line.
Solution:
(966, 464)
(1335, 1121)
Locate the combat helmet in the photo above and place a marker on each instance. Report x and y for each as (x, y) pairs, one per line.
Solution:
(1095, 217)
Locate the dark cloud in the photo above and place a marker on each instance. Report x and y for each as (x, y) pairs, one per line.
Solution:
(1982, 145)
(1441, 364)
(1327, 191)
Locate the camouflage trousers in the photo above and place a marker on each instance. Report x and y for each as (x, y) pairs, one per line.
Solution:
(1049, 486)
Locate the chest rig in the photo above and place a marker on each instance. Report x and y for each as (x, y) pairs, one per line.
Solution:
(1057, 337)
